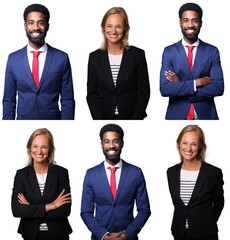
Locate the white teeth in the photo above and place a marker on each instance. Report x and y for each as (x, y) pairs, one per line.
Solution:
(111, 151)
(35, 34)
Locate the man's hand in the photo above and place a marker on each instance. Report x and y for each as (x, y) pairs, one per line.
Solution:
(171, 76)
(116, 236)
(200, 82)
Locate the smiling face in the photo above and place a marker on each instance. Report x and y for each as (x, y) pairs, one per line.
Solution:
(40, 149)
(189, 146)
(36, 29)
(190, 26)
(112, 145)
(114, 28)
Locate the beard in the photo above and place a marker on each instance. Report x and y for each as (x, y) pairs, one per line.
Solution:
(37, 40)
(191, 37)
(113, 158)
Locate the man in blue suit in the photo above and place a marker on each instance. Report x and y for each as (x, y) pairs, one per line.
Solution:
(191, 88)
(113, 217)
(22, 99)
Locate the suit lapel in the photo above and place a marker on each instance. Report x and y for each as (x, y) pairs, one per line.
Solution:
(199, 55)
(199, 183)
(34, 183)
(124, 64)
(107, 70)
(184, 58)
(124, 172)
(176, 184)
(104, 181)
(48, 61)
(25, 65)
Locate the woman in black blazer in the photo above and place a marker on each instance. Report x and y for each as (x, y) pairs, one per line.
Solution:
(196, 189)
(118, 81)
(41, 193)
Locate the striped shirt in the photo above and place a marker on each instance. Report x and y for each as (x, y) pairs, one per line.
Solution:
(187, 184)
(41, 182)
(115, 63)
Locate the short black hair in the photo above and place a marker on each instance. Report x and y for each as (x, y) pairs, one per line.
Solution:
(190, 7)
(37, 8)
(112, 128)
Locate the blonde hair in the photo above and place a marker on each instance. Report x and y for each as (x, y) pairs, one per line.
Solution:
(202, 145)
(123, 14)
(48, 134)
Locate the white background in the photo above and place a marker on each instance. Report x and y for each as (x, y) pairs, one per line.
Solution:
(75, 28)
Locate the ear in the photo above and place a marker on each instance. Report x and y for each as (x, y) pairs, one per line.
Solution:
(201, 23)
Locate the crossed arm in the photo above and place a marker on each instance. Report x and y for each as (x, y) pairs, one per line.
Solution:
(58, 202)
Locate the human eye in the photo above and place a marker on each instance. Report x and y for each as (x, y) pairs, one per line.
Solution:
(106, 141)
(194, 144)
(30, 22)
(116, 141)
(185, 20)
(195, 20)
(42, 23)
(108, 25)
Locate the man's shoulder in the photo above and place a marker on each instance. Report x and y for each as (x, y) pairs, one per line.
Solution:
(95, 167)
(56, 50)
(207, 45)
(173, 45)
(18, 52)
(131, 166)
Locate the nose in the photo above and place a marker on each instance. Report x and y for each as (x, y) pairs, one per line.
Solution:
(191, 23)
(189, 148)
(36, 26)
(39, 150)
(113, 29)
(111, 144)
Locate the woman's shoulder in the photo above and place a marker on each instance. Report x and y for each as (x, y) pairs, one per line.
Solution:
(211, 168)
(56, 167)
(135, 49)
(173, 168)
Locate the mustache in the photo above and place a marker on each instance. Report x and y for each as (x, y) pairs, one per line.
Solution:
(112, 148)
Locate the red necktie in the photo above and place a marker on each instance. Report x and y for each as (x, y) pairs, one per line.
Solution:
(35, 67)
(190, 115)
(113, 181)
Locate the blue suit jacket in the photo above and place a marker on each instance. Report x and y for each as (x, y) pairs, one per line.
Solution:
(42, 102)
(114, 215)
(181, 94)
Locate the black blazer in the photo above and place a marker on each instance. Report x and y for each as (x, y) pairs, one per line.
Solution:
(32, 215)
(205, 205)
(132, 91)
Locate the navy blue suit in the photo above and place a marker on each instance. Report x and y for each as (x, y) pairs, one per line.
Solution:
(114, 215)
(23, 101)
(181, 94)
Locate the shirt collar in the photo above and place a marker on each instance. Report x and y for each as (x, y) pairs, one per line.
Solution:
(184, 43)
(42, 49)
(119, 164)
